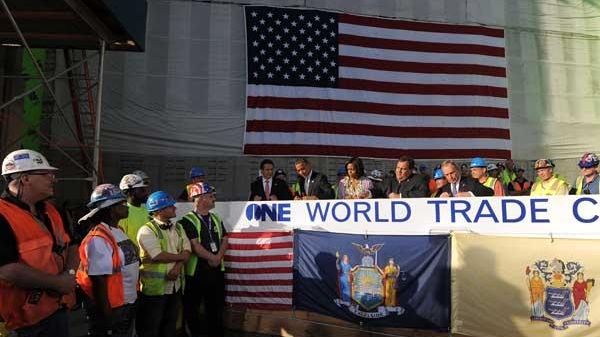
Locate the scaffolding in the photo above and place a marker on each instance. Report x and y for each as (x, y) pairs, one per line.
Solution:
(69, 125)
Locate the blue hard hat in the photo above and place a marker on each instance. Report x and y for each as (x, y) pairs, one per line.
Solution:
(478, 162)
(159, 200)
(438, 174)
(196, 172)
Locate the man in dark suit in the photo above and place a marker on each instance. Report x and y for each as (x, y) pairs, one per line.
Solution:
(266, 187)
(458, 186)
(407, 184)
(312, 185)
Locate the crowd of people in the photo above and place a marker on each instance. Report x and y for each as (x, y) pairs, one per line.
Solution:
(134, 266)
(448, 179)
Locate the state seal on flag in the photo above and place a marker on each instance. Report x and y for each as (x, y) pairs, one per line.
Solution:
(366, 290)
(559, 293)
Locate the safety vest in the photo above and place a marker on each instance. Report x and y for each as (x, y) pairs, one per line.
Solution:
(21, 307)
(153, 276)
(114, 281)
(538, 190)
(518, 188)
(579, 185)
(506, 177)
(190, 266)
(490, 182)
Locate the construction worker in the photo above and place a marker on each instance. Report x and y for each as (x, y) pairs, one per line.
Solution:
(479, 172)
(519, 186)
(136, 191)
(196, 176)
(37, 259)
(164, 250)
(109, 269)
(205, 271)
(588, 182)
(144, 176)
(548, 183)
(508, 175)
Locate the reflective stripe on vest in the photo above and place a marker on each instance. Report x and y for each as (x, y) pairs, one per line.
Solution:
(190, 266)
(153, 276)
(114, 281)
(25, 307)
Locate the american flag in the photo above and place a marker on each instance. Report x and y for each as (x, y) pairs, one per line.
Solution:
(332, 84)
(258, 270)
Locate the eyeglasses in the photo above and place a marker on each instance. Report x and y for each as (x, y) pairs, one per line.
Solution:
(47, 173)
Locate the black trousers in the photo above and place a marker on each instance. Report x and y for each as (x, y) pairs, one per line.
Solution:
(55, 325)
(122, 320)
(208, 286)
(157, 315)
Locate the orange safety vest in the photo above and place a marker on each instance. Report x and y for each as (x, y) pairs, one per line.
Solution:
(21, 307)
(114, 281)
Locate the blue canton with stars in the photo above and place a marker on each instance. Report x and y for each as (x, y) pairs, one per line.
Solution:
(292, 47)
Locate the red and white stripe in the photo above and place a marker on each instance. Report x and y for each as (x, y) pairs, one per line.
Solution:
(405, 88)
(259, 270)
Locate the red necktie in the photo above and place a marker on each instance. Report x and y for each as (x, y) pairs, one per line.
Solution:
(267, 190)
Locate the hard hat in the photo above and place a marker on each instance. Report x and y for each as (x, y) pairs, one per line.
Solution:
(341, 171)
(478, 162)
(159, 200)
(199, 189)
(103, 196)
(196, 172)
(130, 181)
(376, 175)
(492, 167)
(438, 174)
(588, 160)
(141, 174)
(23, 161)
(543, 163)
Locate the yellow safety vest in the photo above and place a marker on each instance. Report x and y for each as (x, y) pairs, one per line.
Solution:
(153, 276)
(538, 190)
(190, 266)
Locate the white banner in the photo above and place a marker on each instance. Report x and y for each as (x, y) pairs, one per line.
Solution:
(560, 216)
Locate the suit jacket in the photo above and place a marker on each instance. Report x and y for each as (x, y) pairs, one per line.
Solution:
(279, 188)
(469, 184)
(318, 186)
(416, 186)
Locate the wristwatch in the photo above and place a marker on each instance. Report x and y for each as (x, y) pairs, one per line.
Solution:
(71, 271)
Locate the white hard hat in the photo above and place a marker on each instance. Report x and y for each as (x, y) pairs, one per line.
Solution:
(23, 161)
(130, 181)
(142, 174)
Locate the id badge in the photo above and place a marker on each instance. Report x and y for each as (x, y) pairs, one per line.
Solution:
(213, 247)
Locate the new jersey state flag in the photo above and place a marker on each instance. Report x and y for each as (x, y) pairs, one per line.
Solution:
(525, 287)
(377, 280)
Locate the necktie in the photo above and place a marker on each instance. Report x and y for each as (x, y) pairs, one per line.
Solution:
(267, 189)
(454, 189)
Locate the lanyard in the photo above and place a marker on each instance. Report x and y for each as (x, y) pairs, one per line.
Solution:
(207, 224)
